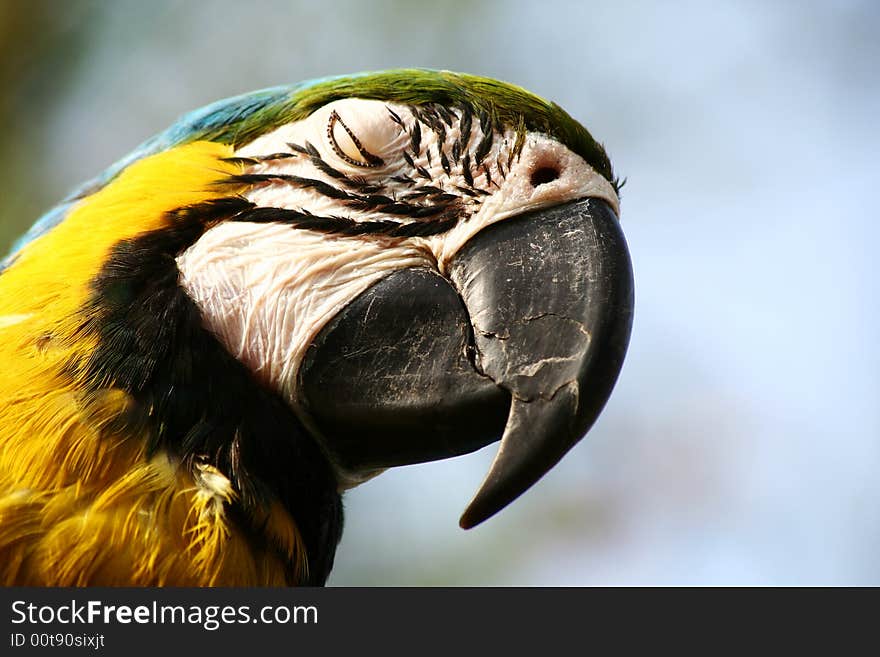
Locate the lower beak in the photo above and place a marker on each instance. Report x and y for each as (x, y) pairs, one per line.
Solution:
(523, 342)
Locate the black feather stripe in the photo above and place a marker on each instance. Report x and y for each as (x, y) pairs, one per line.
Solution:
(444, 161)
(347, 226)
(395, 116)
(464, 126)
(466, 170)
(416, 138)
(485, 144)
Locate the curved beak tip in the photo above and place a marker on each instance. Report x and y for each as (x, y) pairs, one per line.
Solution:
(538, 434)
(558, 285)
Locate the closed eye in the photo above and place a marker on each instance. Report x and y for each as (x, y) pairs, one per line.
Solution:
(347, 146)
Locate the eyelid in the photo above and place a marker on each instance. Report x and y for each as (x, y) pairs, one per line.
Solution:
(369, 160)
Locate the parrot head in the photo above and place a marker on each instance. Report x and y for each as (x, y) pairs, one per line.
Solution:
(290, 291)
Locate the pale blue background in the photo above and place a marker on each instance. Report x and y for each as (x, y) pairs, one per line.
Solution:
(742, 444)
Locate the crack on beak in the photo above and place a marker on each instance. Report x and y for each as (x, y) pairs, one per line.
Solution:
(508, 358)
(578, 325)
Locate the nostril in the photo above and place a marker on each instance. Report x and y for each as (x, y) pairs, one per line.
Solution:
(544, 175)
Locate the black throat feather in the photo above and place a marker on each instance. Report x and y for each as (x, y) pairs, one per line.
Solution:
(195, 401)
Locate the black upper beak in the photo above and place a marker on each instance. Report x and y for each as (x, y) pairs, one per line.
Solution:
(524, 342)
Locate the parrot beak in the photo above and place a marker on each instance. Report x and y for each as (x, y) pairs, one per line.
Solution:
(523, 342)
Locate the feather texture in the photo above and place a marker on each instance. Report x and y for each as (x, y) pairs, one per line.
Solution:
(81, 502)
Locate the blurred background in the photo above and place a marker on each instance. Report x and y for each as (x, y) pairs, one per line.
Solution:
(742, 443)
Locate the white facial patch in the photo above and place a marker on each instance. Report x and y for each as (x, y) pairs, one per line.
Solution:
(265, 290)
(409, 186)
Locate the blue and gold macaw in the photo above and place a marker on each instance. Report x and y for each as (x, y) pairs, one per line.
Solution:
(286, 293)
